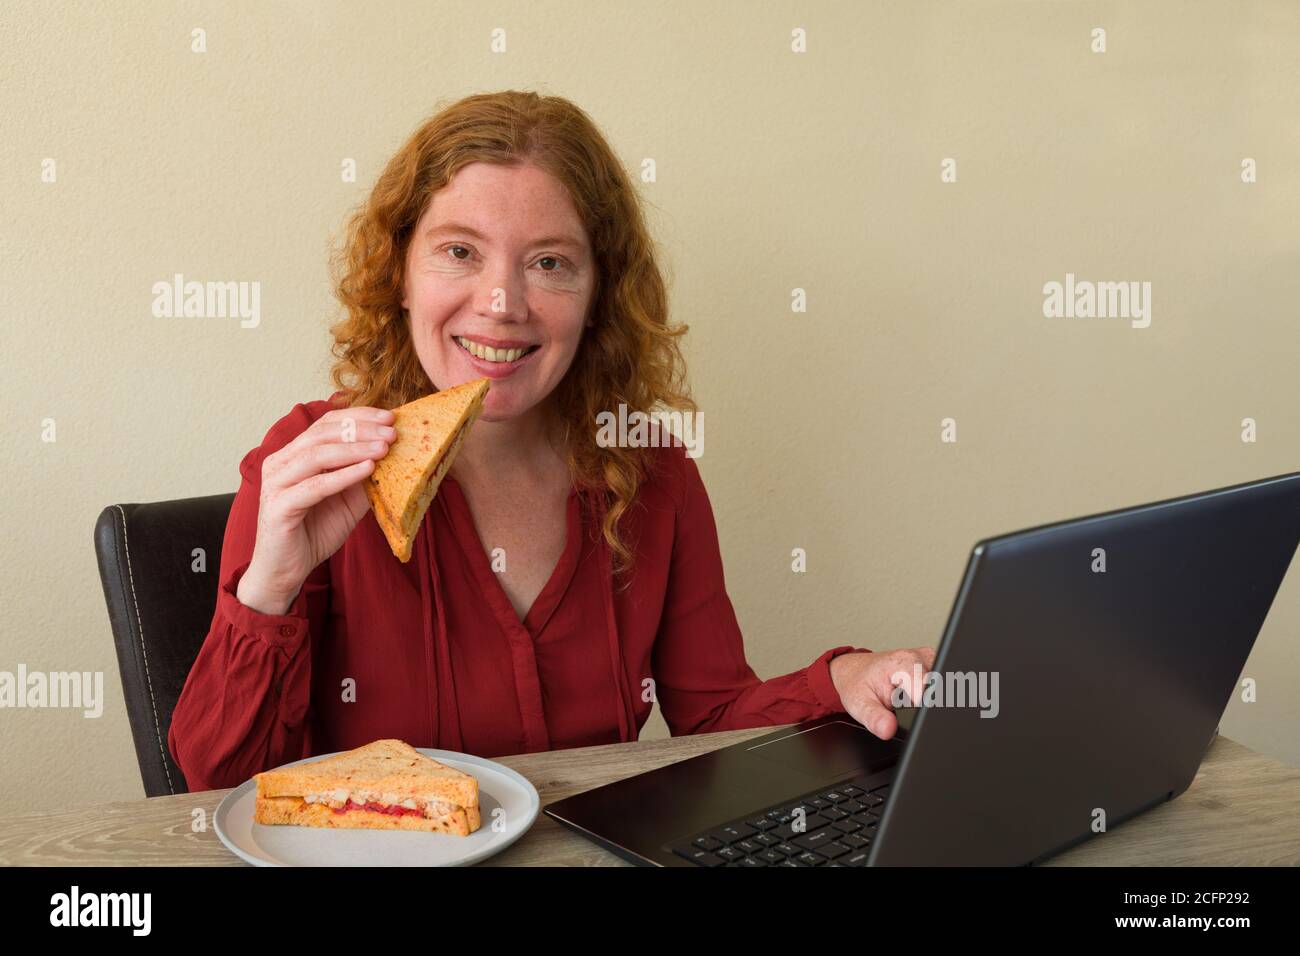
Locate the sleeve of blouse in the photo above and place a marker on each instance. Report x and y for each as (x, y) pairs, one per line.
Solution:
(244, 705)
(702, 680)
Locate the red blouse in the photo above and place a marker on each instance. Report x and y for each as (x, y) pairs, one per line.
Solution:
(433, 653)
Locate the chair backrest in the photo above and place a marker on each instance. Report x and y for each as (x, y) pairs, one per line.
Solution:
(161, 595)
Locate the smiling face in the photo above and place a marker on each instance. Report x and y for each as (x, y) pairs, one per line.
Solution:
(499, 280)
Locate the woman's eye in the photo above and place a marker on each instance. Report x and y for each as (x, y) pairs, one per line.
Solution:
(559, 263)
(452, 249)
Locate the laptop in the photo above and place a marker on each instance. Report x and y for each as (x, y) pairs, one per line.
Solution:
(1079, 681)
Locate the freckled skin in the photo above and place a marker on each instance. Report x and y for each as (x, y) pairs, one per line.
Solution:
(455, 281)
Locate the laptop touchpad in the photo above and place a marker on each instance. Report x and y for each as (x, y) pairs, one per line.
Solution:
(831, 750)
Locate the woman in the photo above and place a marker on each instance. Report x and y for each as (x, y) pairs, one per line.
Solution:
(558, 588)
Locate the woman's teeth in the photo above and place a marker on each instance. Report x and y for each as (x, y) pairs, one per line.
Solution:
(487, 353)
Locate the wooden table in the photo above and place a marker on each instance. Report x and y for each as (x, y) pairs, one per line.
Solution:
(1242, 809)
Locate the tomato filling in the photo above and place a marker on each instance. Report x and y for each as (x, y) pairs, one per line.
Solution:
(378, 808)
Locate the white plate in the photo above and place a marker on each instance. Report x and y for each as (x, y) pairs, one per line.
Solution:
(499, 788)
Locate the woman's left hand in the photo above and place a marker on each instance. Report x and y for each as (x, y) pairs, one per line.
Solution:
(866, 682)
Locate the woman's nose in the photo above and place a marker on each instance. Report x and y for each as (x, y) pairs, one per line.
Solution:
(500, 292)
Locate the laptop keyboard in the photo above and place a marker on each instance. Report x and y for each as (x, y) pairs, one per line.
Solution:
(838, 826)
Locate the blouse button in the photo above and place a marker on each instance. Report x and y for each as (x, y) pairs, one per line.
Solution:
(288, 630)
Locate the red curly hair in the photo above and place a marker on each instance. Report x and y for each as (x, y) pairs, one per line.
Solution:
(629, 356)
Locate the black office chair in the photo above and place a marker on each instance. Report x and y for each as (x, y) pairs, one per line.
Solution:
(160, 610)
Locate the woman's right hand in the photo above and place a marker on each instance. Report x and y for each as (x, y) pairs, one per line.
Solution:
(312, 498)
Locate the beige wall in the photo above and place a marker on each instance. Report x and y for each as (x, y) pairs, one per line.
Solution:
(776, 171)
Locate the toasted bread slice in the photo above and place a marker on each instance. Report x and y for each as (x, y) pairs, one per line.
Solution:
(429, 433)
(387, 785)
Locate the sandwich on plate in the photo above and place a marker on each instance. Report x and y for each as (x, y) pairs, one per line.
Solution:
(385, 785)
(429, 433)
